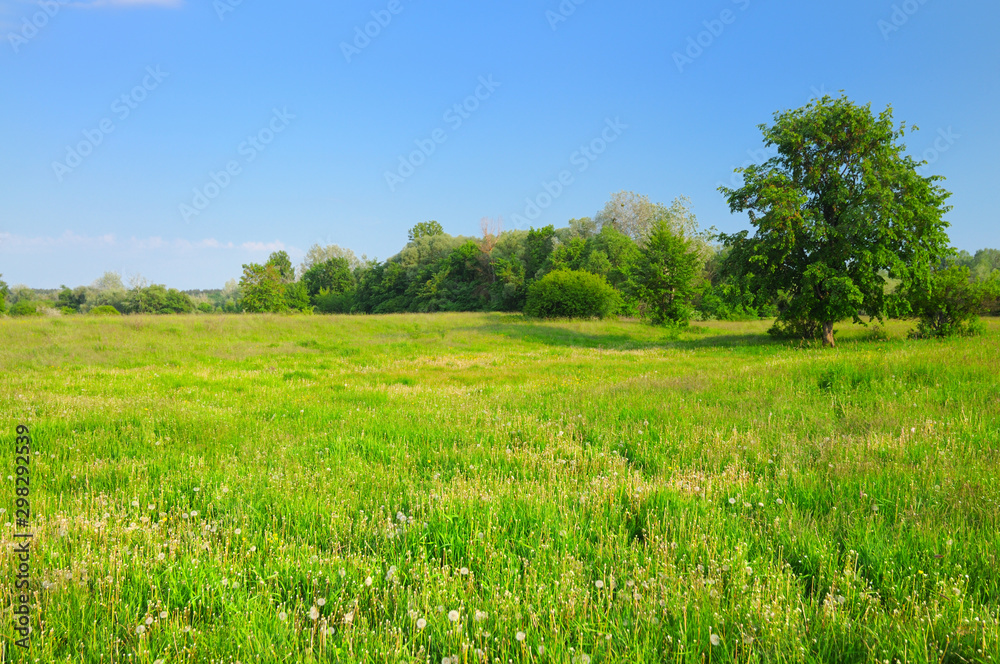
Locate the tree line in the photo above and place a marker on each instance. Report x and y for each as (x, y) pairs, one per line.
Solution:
(844, 227)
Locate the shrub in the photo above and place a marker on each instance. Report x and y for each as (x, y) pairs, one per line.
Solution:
(572, 294)
(950, 304)
(105, 310)
(330, 302)
(25, 308)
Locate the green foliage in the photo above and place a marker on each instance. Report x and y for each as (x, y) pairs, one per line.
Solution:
(297, 297)
(538, 247)
(283, 264)
(4, 292)
(571, 294)
(665, 275)
(425, 229)
(25, 308)
(836, 209)
(330, 302)
(262, 289)
(71, 299)
(156, 299)
(105, 310)
(949, 303)
(333, 275)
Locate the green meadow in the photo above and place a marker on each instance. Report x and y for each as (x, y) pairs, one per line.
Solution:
(465, 488)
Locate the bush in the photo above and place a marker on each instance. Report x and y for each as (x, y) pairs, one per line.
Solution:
(572, 294)
(328, 302)
(950, 304)
(25, 308)
(205, 308)
(105, 310)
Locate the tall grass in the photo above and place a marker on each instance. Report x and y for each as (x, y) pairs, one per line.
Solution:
(478, 488)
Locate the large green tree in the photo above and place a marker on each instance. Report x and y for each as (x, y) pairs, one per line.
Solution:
(839, 206)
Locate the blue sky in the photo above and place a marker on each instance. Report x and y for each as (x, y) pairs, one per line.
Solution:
(179, 139)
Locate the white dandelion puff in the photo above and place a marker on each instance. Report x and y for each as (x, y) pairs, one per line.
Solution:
(453, 615)
(421, 623)
(520, 636)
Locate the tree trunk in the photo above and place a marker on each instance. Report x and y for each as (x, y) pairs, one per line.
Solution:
(828, 335)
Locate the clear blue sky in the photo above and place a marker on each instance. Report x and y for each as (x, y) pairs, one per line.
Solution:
(200, 78)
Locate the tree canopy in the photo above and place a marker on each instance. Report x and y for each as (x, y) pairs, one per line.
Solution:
(839, 207)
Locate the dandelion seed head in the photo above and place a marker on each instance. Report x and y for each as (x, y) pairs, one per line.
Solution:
(716, 641)
(520, 636)
(453, 615)
(421, 623)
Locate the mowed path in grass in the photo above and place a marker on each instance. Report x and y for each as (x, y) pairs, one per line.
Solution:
(482, 488)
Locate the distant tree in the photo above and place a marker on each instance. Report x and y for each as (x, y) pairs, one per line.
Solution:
(109, 281)
(320, 254)
(262, 289)
(283, 264)
(838, 207)
(425, 229)
(297, 297)
(176, 302)
(4, 293)
(72, 299)
(666, 273)
(333, 275)
(538, 246)
(629, 213)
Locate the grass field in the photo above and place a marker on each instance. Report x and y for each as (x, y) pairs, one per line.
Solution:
(479, 488)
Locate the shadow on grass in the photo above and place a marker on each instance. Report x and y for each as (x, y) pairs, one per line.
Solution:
(556, 335)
